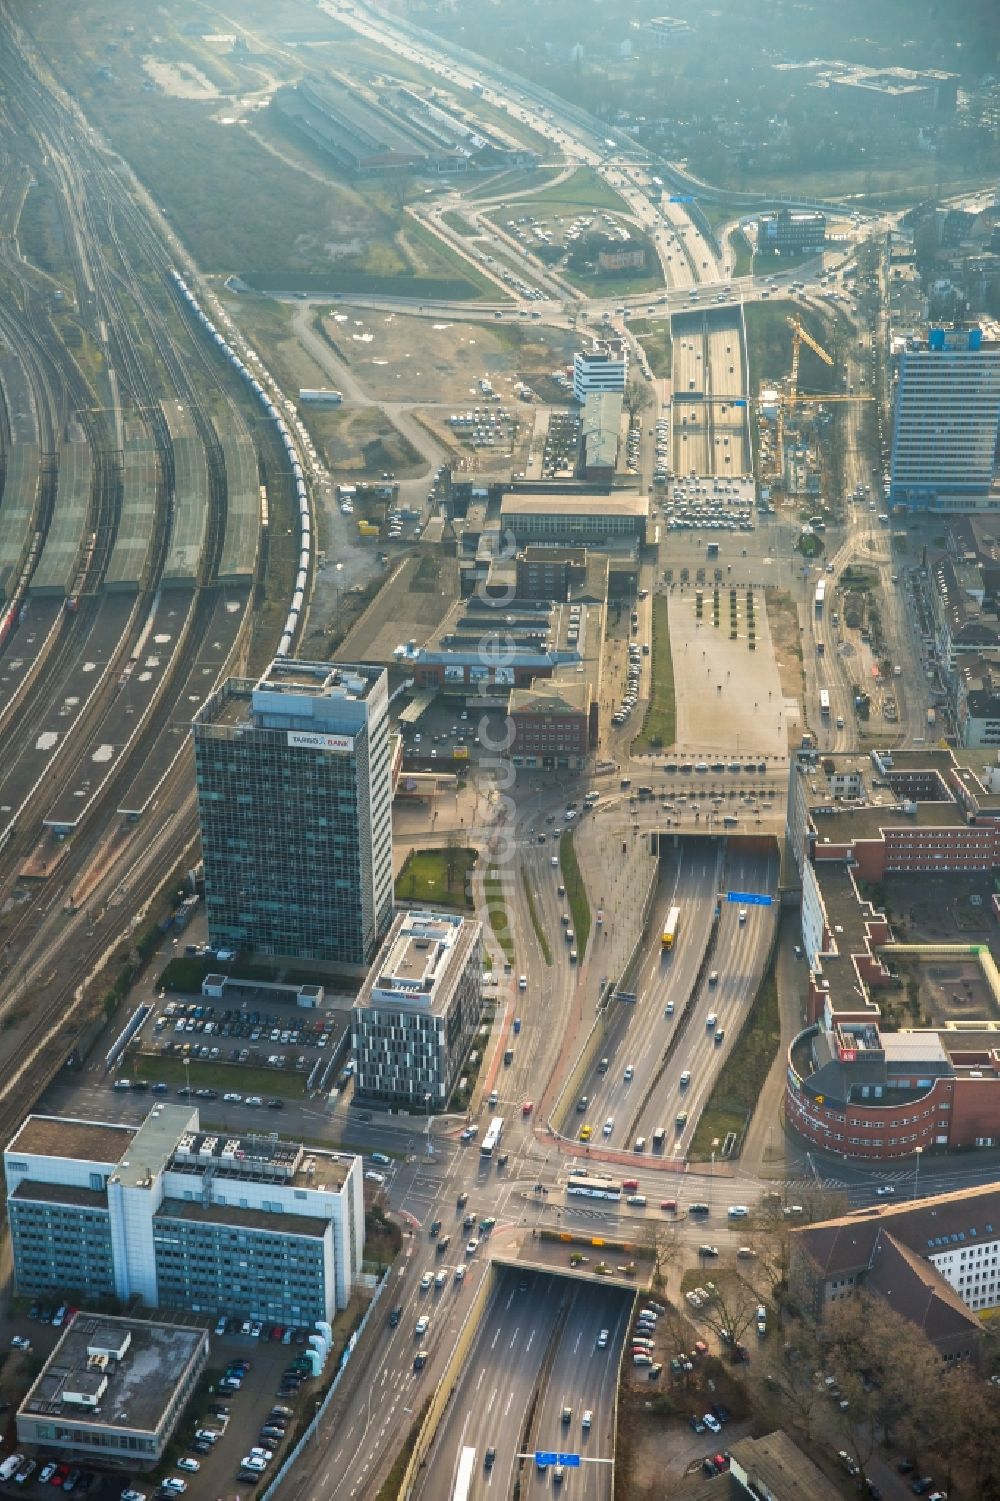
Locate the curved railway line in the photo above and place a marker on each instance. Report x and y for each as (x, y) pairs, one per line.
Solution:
(80, 907)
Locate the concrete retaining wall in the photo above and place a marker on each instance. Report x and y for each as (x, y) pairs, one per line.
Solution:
(449, 1381)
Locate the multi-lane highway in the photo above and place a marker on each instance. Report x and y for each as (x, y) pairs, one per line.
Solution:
(538, 1335)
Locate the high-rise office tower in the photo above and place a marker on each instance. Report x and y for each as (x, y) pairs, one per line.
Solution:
(295, 802)
(946, 423)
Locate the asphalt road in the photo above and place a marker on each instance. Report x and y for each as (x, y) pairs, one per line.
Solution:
(540, 1338)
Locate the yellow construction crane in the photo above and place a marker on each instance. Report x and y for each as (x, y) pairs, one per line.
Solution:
(799, 334)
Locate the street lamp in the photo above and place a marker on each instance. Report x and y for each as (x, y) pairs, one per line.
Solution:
(916, 1170)
(427, 1107)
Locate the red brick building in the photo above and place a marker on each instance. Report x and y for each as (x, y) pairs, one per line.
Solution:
(854, 1087)
(555, 724)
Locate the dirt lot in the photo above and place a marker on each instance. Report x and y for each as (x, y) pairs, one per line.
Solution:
(786, 641)
(401, 358)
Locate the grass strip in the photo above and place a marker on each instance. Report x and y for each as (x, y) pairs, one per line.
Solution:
(741, 1078)
(576, 891)
(437, 875)
(392, 1485)
(659, 728)
(215, 1074)
(496, 911)
(529, 896)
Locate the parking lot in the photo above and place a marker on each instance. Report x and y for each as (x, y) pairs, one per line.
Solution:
(274, 1049)
(254, 1397)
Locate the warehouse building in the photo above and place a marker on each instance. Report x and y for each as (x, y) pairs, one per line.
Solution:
(417, 1012)
(621, 517)
(601, 433)
(211, 1222)
(112, 1391)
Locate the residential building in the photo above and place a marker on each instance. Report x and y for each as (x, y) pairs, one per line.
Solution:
(547, 573)
(853, 1086)
(946, 422)
(112, 1391)
(417, 1012)
(177, 1217)
(555, 723)
(774, 1468)
(901, 93)
(934, 1260)
(602, 367)
(295, 803)
(667, 31)
(622, 516)
(789, 231)
(601, 431)
(978, 708)
(621, 257)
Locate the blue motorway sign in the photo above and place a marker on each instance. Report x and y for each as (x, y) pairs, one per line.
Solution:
(545, 1457)
(739, 403)
(750, 898)
(571, 1461)
(681, 198)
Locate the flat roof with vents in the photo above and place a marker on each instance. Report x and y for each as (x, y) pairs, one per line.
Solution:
(83, 1380)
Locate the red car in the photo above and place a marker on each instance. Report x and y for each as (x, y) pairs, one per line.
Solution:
(527, 1107)
(670, 1205)
(60, 1475)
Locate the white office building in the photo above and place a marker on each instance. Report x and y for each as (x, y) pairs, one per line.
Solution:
(602, 367)
(418, 1010)
(946, 423)
(177, 1217)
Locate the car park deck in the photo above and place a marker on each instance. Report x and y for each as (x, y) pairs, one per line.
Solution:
(140, 484)
(63, 547)
(189, 523)
(150, 663)
(239, 547)
(18, 507)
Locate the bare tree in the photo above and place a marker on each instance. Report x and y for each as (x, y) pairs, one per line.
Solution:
(638, 396)
(731, 1310)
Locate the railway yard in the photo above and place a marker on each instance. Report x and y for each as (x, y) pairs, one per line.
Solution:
(132, 546)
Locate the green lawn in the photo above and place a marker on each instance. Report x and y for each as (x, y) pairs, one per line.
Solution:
(460, 225)
(496, 910)
(659, 728)
(742, 1076)
(437, 875)
(582, 192)
(222, 1076)
(655, 340)
(516, 180)
(576, 891)
(529, 896)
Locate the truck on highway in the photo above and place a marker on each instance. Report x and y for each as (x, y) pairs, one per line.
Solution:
(931, 718)
(670, 928)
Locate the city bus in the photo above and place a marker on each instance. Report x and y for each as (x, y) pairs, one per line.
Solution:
(466, 1470)
(824, 702)
(594, 1186)
(492, 1138)
(670, 927)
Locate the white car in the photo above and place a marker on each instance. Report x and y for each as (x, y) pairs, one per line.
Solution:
(884, 1191)
(587, 1419)
(694, 1300)
(629, 1072)
(554, 861)
(711, 1422)
(685, 1078)
(190, 1465)
(602, 1340)
(422, 1326)
(472, 1247)
(425, 1282)
(609, 1125)
(233, 1099)
(19, 1342)
(710, 1021)
(129, 1495)
(522, 983)
(252, 1463)
(738, 1211)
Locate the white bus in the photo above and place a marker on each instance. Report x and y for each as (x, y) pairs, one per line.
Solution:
(824, 702)
(492, 1138)
(466, 1470)
(594, 1186)
(670, 928)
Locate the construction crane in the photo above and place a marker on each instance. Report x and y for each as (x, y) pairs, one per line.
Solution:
(799, 334)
